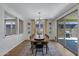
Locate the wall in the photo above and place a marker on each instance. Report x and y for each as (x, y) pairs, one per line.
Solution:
(9, 42)
(46, 30)
(53, 29)
(28, 29)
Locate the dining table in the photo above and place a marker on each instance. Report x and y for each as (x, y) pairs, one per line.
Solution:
(43, 39)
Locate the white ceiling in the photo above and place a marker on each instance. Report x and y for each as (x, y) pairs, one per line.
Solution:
(30, 10)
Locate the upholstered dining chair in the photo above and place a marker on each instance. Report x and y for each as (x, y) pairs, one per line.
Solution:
(39, 47)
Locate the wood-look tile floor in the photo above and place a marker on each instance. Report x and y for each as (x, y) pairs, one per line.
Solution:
(24, 50)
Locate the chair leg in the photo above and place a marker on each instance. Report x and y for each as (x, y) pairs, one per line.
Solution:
(42, 52)
(36, 52)
(32, 50)
(46, 48)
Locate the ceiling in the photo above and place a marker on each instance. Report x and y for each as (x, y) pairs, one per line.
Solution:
(30, 10)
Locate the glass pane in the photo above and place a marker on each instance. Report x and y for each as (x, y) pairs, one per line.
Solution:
(8, 29)
(37, 25)
(10, 25)
(41, 25)
(60, 29)
(71, 36)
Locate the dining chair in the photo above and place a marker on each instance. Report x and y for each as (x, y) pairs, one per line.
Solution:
(39, 47)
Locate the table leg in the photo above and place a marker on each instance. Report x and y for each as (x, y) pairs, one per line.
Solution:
(32, 47)
(32, 50)
(46, 48)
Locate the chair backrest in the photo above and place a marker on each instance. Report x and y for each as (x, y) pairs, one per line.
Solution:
(31, 36)
(47, 36)
(39, 44)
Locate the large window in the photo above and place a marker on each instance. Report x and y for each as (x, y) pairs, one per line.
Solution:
(39, 27)
(13, 25)
(10, 25)
(67, 31)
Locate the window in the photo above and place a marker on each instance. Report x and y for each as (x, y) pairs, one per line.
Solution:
(20, 26)
(67, 31)
(10, 25)
(39, 27)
